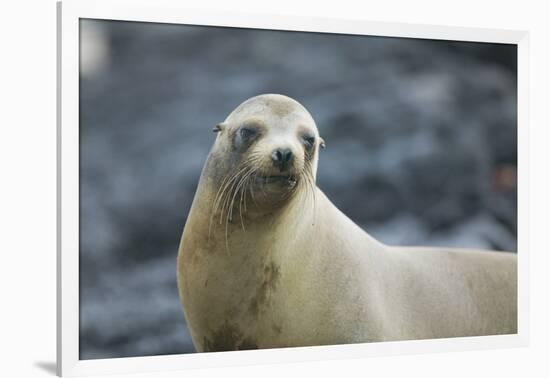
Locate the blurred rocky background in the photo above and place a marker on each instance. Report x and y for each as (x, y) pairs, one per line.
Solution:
(421, 149)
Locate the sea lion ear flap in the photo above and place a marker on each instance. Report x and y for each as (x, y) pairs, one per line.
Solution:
(219, 127)
(322, 143)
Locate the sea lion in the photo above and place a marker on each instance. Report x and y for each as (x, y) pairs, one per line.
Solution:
(266, 260)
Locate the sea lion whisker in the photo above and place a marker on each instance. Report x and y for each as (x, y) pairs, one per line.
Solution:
(218, 199)
(228, 203)
(243, 195)
(228, 190)
(239, 189)
(251, 187)
(219, 195)
(310, 185)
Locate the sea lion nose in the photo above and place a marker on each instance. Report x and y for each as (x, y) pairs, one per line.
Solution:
(282, 157)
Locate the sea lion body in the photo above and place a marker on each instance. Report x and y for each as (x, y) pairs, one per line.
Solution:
(300, 273)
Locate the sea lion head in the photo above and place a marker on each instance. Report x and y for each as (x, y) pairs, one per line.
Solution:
(266, 151)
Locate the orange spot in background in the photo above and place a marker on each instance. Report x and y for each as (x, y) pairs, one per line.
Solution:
(505, 177)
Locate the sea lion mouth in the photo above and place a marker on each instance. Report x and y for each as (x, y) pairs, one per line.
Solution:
(283, 180)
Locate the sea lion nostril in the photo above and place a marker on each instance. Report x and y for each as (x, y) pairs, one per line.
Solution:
(287, 155)
(276, 156)
(281, 157)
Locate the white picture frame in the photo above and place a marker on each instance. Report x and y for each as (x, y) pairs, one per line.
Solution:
(69, 13)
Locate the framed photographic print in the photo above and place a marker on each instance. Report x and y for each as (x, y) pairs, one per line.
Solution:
(236, 190)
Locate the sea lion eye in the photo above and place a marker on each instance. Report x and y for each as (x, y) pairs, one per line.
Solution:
(247, 133)
(244, 136)
(309, 141)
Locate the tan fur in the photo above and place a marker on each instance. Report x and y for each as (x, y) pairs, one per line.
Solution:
(301, 273)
